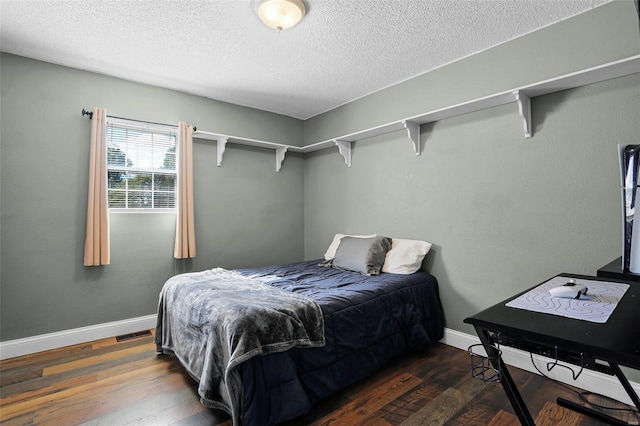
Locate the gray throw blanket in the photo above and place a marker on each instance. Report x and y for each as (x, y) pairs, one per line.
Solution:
(216, 319)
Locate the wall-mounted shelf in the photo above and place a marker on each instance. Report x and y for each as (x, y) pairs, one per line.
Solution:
(222, 140)
(520, 96)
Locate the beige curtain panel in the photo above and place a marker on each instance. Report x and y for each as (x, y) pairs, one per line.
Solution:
(185, 246)
(96, 244)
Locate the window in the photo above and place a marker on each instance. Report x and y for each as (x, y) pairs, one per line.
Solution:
(141, 165)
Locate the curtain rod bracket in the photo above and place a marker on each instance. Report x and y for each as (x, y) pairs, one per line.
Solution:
(89, 113)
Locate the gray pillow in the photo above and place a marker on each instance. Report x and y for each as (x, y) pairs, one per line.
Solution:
(363, 255)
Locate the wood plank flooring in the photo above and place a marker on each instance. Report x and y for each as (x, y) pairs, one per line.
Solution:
(126, 383)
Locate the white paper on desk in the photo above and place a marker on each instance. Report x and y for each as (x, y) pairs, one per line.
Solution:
(602, 298)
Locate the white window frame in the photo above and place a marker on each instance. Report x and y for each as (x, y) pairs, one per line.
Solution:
(153, 128)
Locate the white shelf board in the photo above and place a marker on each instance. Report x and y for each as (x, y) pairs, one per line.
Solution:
(608, 71)
(200, 134)
(356, 136)
(519, 95)
(465, 108)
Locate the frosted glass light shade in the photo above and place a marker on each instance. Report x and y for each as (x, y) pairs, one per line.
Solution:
(281, 14)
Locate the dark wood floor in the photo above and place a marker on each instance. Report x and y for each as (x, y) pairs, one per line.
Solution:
(126, 383)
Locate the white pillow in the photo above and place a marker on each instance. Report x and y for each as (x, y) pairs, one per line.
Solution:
(405, 256)
(331, 251)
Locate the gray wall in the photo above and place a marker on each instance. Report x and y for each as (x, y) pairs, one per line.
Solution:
(503, 212)
(246, 213)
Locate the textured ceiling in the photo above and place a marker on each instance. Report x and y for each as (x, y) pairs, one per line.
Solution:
(341, 51)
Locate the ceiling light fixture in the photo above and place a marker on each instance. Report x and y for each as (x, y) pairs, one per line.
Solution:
(281, 14)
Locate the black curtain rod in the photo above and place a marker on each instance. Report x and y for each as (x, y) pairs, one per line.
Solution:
(90, 114)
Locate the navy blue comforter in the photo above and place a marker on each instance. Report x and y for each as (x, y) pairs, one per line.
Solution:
(368, 321)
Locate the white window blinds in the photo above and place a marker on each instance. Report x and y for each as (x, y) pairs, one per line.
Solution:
(141, 165)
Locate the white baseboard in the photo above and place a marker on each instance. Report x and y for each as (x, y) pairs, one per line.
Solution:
(45, 342)
(589, 380)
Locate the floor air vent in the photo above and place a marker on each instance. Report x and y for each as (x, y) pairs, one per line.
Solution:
(133, 335)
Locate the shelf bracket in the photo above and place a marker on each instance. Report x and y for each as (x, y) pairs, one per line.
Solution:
(344, 147)
(280, 152)
(413, 131)
(524, 107)
(221, 145)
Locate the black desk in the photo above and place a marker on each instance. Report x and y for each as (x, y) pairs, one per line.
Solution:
(614, 343)
(613, 270)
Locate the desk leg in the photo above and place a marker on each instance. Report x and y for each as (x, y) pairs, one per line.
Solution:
(587, 411)
(626, 385)
(505, 379)
(599, 415)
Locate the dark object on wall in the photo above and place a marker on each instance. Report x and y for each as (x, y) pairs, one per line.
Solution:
(629, 156)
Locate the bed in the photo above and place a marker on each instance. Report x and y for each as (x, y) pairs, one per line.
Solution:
(364, 322)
